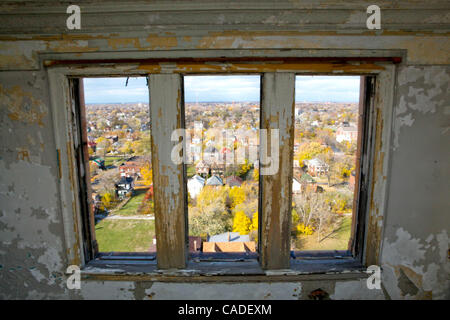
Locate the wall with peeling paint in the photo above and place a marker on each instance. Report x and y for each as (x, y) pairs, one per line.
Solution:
(415, 233)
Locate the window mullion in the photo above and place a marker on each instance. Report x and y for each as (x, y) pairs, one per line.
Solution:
(277, 113)
(169, 194)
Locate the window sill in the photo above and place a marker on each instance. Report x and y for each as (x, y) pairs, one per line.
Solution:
(245, 270)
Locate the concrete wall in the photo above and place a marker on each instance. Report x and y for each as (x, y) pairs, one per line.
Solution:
(414, 251)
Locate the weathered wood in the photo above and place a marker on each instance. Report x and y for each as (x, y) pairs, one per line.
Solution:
(169, 191)
(277, 110)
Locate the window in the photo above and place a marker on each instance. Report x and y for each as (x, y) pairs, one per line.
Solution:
(118, 183)
(175, 113)
(325, 150)
(222, 122)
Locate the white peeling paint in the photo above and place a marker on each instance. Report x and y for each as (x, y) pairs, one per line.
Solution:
(356, 290)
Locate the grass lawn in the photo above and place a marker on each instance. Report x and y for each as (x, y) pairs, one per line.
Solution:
(112, 160)
(336, 241)
(190, 171)
(125, 235)
(132, 206)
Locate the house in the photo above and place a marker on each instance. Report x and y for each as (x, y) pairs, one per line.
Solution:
(214, 181)
(234, 181)
(130, 168)
(346, 133)
(296, 186)
(229, 242)
(202, 167)
(195, 185)
(124, 187)
(317, 167)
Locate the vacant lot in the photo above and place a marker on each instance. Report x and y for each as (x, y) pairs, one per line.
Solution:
(125, 235)
(338, 240)
(132, 206)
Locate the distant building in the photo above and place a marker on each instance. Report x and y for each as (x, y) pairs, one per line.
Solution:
(202, 167)
(195, 185)
(229, 242)
(346, 133)
(317, 167)
(214, 181)
(234, 181)
(296, 186)
(124, 187)
(130, 168)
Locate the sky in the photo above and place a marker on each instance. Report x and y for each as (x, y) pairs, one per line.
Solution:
(223, 89)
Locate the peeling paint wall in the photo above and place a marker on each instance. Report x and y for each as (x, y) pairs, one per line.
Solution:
(415, 241)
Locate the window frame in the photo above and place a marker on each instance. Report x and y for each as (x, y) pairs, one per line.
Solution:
(59, 71)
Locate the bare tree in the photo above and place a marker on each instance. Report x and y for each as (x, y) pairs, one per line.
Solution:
(314, 210)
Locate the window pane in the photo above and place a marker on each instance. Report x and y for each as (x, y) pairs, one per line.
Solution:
(325, 146)
(118, 132)
(222, 121)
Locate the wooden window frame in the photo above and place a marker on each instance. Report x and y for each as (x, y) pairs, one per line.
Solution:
(276, 111)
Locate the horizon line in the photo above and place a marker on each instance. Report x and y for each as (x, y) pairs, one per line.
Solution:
(220, 102)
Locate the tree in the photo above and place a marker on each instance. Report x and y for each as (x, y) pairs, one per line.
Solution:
(315, 213)
(244, 168)
(255, 175)
(107, 200)
(237, 196)
(241, 223)
(210, 222)
(104, 145)
(310, 150)
(213, 197)
(127, 148)
(143, 145)
(147, 174)
(254, 226)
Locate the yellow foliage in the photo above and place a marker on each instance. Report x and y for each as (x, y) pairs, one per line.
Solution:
(310, 150)
(147, 175)
(306, 230)
(212, 196)
(241, 223)
(256, 175)
(237, 196)
(106, 200)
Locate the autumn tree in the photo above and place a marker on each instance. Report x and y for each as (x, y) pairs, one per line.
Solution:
(310, 150)
(104, 145)
(241, 223)
(237, 196)
(256, 175)
(147, 175)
